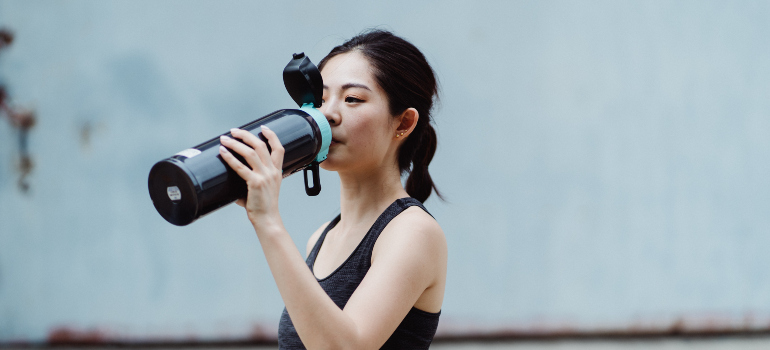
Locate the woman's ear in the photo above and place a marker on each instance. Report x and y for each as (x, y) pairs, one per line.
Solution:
(406, 122)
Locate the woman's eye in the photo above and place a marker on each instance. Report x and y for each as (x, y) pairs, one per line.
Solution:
(351, 99)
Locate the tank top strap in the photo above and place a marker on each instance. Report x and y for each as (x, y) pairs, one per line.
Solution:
(314, 252)
(398, 206)
(364, 250)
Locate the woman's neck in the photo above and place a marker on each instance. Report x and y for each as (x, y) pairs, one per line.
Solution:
(364, 196)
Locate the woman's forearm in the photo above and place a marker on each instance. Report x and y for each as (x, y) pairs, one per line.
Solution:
(319, 322)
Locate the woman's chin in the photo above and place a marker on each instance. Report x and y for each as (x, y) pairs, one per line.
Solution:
(328, 164)
(332, 161)
(336, 163)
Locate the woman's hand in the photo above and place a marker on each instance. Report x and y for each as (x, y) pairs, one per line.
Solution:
(263, 180)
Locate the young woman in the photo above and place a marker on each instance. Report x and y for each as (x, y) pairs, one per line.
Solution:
(377, 271)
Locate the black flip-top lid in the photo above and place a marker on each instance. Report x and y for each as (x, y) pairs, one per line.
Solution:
(303, 81)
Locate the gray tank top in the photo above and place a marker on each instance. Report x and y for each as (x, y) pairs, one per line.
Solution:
(418, 327)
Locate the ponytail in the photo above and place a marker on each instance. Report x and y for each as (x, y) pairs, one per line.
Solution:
(419, 184)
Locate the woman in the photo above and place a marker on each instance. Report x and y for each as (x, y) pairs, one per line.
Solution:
(377, 271)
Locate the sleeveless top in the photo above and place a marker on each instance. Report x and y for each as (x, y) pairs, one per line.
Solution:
(418, 327)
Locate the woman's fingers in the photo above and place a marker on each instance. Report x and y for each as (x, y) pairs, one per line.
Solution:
(263, 180)
(277, 155)
(242, 170)
(248, 153)
(254, 151)
(255, 142)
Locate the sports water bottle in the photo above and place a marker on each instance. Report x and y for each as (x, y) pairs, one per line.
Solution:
(197, 181)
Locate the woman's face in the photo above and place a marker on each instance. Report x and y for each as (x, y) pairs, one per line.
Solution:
(357, 109)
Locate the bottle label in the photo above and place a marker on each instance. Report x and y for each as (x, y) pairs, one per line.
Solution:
(189, 153)
(173, 193)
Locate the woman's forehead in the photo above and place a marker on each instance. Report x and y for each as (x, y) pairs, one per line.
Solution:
(348, 68)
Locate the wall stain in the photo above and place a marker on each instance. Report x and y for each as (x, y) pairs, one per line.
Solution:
(86, 132)
(21, 119)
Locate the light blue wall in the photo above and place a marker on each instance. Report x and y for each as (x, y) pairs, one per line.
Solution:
(606, 163)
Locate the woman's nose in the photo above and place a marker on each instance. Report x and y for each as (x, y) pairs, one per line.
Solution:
(331, 112)
(332, 119)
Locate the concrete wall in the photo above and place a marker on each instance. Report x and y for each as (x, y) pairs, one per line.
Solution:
(605, 162)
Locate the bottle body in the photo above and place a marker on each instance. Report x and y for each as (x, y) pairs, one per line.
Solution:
(197, 181)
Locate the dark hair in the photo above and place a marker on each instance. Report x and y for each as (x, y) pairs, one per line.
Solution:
(408, 80)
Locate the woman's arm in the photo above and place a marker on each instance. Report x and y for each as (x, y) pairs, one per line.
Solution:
(408, 269)
(405, 264)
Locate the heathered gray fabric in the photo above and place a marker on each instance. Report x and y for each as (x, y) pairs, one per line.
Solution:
(418, 327)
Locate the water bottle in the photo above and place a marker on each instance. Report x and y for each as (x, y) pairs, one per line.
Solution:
(197, 181)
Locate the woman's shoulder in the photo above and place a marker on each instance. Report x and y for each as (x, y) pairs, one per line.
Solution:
(417, 218)
(416, 229)
(413, 247)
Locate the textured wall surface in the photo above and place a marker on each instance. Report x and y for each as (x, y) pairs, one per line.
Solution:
(605, 162)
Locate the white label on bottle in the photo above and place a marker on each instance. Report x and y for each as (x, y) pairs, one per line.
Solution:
(189, 153)
(173, 193)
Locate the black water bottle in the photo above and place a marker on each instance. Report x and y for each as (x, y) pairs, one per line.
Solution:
(197, 181)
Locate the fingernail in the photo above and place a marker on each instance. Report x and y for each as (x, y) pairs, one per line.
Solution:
(234, 130)
(265, 127)
(222, 148)
(224, 137)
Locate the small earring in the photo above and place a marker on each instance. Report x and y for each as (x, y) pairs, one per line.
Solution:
(397, 135)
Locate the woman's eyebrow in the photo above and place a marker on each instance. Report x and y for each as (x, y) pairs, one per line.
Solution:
(350, 85)
(354, 85)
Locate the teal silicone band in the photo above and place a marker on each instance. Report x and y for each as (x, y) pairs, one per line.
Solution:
(326, 130)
